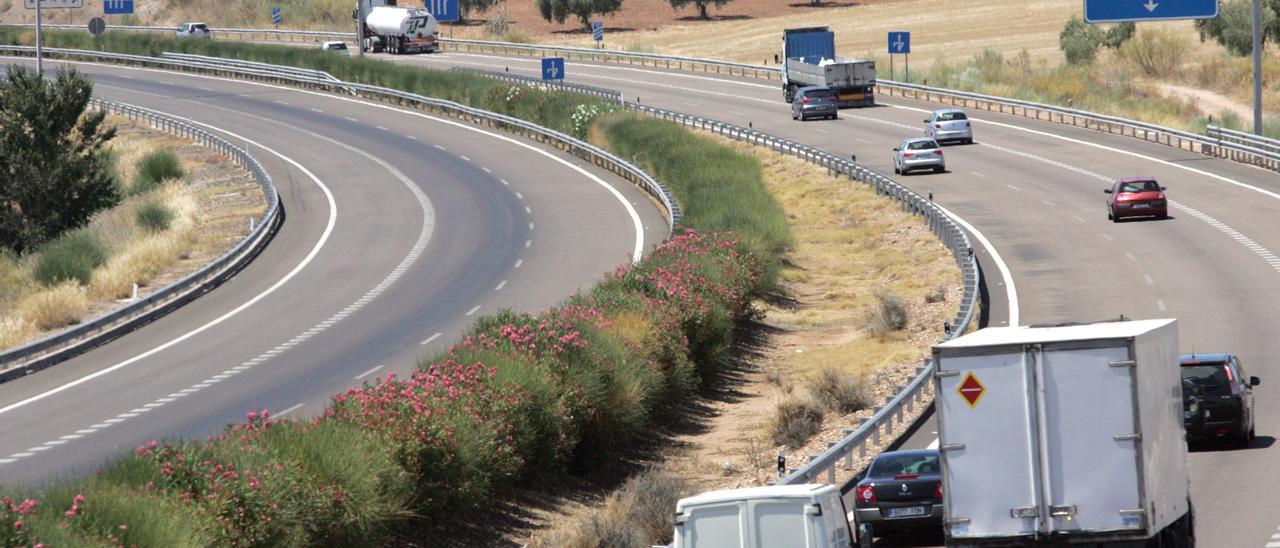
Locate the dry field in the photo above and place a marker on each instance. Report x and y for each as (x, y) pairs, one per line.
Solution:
(211, 206)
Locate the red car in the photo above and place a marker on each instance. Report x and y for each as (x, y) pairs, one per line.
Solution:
(1136, 197)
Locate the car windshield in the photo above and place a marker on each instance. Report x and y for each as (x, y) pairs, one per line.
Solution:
(949, 116)
(1139, 186)
(1212, 377)
(337, 46)
(893, 465)
(921, 145)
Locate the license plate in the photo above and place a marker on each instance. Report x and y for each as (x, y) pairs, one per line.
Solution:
(908, 511)
(1141, 206)
(852, 97)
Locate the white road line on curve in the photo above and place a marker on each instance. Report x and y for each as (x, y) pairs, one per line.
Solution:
(369, 372)
(431, 338)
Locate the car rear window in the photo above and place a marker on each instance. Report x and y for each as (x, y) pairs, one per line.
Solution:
(921, 145)
(1139, 186)
(820, 93)
(1212, 377)
(950, 116)
(893, 465)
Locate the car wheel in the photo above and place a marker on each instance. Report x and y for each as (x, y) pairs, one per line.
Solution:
(1114, 218)
(866, 535)
(896, 170)
(939, 169)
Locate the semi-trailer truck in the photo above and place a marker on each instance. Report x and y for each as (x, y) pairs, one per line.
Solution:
(809, 59)
(396, 29)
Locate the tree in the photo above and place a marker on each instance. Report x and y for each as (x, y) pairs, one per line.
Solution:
(702, 5)
(1233, 27)
(1080, 40)
(559, 10)
(55, 170)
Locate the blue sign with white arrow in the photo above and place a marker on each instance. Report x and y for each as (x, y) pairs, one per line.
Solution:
(117, 7)
(553, 68)
(276, 16)
(899, 42)
(445, 11)
(597, 30)
(1114, 11)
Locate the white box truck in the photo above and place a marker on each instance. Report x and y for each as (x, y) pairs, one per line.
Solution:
(1064, 435)
(779, 516)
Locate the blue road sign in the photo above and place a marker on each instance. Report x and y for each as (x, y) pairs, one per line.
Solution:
(597, 30)
(553, 68)
(276, 17)
(1112, 11)
(116, 7)
(899, 42)
(445, 11)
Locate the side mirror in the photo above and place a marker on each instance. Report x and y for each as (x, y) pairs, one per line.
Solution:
(895, 149)
(1254, 381)
(853, 157)
(1106, 191)
(925, 121)
(1164, 188)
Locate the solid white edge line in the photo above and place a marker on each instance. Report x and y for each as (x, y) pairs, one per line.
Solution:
(1010, 290)
(315, 250)
(369, 372)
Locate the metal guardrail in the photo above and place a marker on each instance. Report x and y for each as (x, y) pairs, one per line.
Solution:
(592, 91)
(224, 62)
(942, 225)
(60, 346)
(1243, 138)
(570, 144)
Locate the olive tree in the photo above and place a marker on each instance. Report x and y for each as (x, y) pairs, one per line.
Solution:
(559, 10)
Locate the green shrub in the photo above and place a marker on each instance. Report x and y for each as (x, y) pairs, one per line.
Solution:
(154, 168)
(796, 418)
(1079, 41)
(154, 216)
(1233, 27)
(1157, 53)
(888, 316)
(72, 256)
(840, 392)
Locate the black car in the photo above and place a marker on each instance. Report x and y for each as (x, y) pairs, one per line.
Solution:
(1228, 396)
(902, 491)
(814, 102)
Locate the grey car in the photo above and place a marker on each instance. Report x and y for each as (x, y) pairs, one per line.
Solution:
(949, 125)
(900, 492)
(814, 102)
(193, 30)
(918, 153)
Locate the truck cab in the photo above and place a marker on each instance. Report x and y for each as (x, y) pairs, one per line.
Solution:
(779, 516)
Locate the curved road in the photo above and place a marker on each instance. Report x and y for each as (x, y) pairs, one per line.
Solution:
(1034, 189)
(400, 230)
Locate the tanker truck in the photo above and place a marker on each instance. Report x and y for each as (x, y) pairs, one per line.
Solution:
(397, 29)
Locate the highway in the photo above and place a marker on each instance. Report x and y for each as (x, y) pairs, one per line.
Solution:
(401, 229)
(1034, 190)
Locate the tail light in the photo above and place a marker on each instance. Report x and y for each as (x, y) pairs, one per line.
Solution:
(937, 126)
(1230, 377)
(804, 101)
(867, 494)
(938, 152)
(907, 155)
(937, 492)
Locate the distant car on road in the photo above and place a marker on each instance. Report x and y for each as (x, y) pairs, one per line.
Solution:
(1228, 396)
(1136, 197)
(918, 153)
(814, 102)
(902, 492)
(336, 46)
(949, 125)
(194, 30)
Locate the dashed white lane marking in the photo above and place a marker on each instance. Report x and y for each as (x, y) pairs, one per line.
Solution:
(428, 225)
(505, 183)
(313, 109)
(1148, 279)
(1160, 305)
(1048, 203)
(519, 196)
(464, 158)
(439, 147)
(821, 130)
(55, 443)
(691, 105)
(281, 102)
(289, 410)
(486, 170)
(1130, 257)
(735, 113)
(21, 455)
(531, 224)
(7, 461)
(501, 285)
(1078, 218)
(431, 338)
(202, 88)
(528, 243)
(520, 261)
(382, 128)
(369, 372)
(412, 137)
(39, 448)
(976, 174)
(350, 119)
(863, 141)
(1014, 188)
(1108, 237)
(473, 310)
(528, 210)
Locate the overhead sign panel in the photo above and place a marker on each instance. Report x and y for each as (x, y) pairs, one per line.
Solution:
(899, 42)
(117, 7)
(47, 4)
(445, 11)
(1114, 11)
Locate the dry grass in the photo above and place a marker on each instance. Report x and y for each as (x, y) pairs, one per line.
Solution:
(637, 515)
(840, 392)
(796, 418)
(15, 331)
(148, 253)
(54, 308)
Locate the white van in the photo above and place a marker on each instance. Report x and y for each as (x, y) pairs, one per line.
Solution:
(780, 516)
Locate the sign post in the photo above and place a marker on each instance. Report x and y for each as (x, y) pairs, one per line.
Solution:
(33, 4)
(597, 32)
(900, 43)
(553, 68)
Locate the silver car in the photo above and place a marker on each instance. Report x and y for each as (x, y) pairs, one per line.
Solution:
(918, 153)
(949, 125)
(193, 30)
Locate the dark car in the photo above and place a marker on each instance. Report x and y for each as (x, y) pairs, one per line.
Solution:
(1136, 197)
(1228, 396)
(1193, 409)
(902, 492)
(814, 102)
